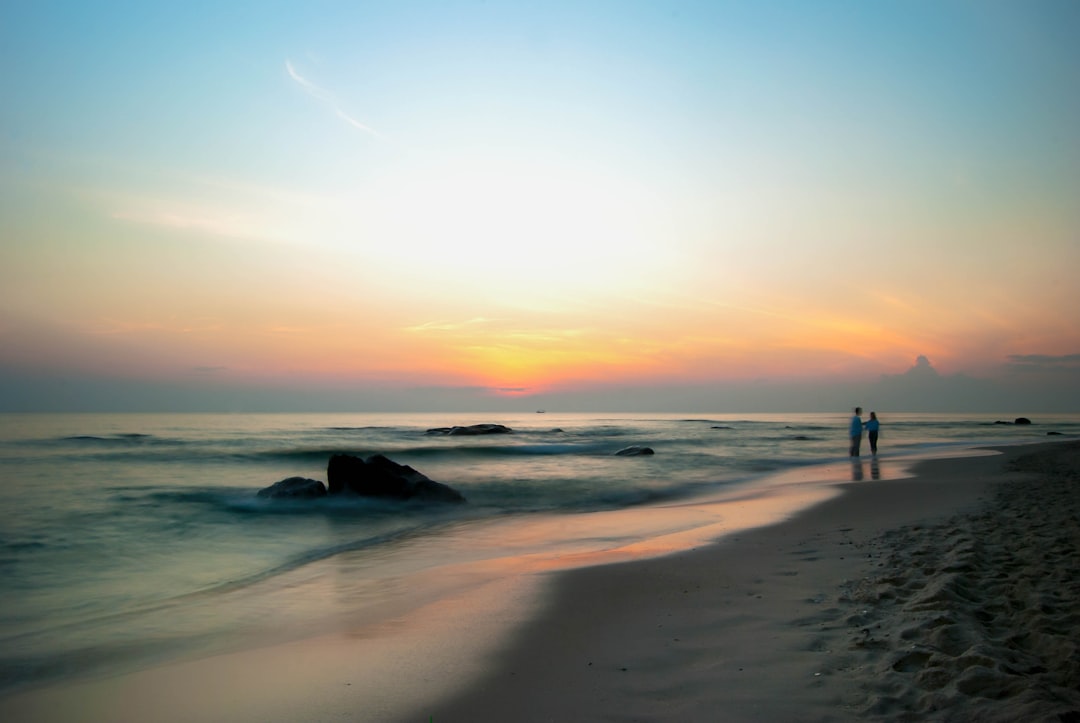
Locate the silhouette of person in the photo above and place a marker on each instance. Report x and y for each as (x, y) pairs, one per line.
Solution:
(872, 426)
(855, 431)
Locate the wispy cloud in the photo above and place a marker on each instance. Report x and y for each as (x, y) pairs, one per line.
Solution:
(325, 96)
(1045, 358)
(108, 326)
(1044, 362)
(209, 369)
(439, 326)
(221, 208)
(218, 224)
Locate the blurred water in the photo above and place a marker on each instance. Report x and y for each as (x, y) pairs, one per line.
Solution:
(126, 538)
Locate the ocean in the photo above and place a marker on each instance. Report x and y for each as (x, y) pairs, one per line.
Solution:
(128, 540)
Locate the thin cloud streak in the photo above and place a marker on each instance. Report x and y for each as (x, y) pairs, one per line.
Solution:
(449, 325)
(1045, 358)
(327, 97)
(1044, 362)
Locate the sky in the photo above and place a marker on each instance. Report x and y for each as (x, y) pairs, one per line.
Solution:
(589, 206)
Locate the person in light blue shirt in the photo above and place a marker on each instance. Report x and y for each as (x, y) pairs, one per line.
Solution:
(855, 431)
(872, 427)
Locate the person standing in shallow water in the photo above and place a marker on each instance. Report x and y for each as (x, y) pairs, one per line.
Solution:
(855, 431)
(872, 426)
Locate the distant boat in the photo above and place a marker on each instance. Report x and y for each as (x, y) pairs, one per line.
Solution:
(540, 411)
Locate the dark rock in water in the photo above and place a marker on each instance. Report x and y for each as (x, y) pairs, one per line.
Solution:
(379, 476)
(472, 429)
(723, 427)
(801, 437)
(1017, 420)
(294, 487)
(634, 451)
(1053, 434)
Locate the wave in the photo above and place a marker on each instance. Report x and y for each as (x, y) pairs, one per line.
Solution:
(288, 455)
(456, 450)
(602, 487)
(125, 437)
(366, 428)
(245, 502)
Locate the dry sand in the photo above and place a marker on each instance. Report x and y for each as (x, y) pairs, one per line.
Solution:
(951, 596)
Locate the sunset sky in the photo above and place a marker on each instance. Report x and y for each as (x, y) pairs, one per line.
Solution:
(636, 205)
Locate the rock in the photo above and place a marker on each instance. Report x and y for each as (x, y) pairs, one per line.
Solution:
(294, 487)
(472, 429)
(1053, 434)
(801, 438)
(721, 427)
(1022, 420)
(634, 451)
(379, 476)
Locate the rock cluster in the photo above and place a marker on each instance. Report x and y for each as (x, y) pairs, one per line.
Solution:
(634, 451)
(377, 476)
(294, 487)
(472, 429)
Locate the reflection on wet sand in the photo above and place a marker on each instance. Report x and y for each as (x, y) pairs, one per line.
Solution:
(858, 470)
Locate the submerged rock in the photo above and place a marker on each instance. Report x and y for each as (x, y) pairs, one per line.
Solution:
(1022, 420)
(294, 487)
(634, 451)
(379, 476)
(472, 429)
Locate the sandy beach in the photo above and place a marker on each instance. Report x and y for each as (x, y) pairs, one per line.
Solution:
(949, 595)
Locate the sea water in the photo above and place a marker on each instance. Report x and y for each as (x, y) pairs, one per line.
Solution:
(131, 539)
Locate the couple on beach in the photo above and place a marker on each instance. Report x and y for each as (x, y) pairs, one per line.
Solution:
(856, 431)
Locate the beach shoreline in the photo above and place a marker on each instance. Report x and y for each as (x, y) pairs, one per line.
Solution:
(885, 602)
(766, 624)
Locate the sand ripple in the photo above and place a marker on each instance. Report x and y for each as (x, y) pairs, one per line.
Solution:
(977, 619)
